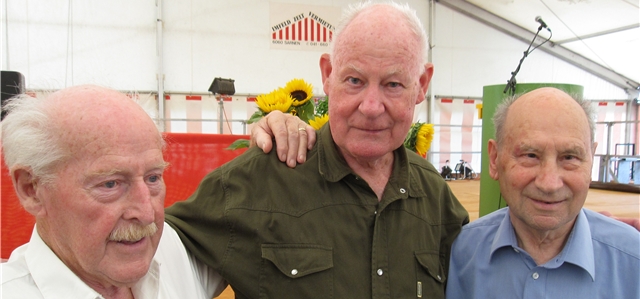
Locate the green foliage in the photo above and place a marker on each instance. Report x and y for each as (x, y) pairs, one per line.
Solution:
(410, 140)
(256, 116)
(240, 143)
(305, 111)
(323, 106)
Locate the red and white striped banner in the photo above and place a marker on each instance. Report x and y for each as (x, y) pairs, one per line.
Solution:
(455, 137)
(610, 112)
(203, 113)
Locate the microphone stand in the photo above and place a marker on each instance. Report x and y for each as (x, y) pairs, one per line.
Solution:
(511, 83)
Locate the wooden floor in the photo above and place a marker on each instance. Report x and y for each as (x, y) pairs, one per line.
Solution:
(620, 204)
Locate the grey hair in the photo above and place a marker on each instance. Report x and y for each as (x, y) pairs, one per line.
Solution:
(31, 137)
(354, 9)
(28, 137)
(500, 115)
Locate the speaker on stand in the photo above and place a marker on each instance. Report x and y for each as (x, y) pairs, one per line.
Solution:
(12, 85)
(222, 87)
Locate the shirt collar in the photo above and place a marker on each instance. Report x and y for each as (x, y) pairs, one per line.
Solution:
(579, 247)
(55, 280)
(505, 236)
(578, 250)
(333, 167)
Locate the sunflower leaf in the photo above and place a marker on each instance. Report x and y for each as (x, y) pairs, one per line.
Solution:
(305, 111)
(240, 143)
(256, 117)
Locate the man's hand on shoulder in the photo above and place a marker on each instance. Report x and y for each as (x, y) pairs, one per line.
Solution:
(293, 137)
(635, 222)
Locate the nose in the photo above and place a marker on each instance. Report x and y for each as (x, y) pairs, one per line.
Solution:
(372, 102)
(549, 177)
(141, 207)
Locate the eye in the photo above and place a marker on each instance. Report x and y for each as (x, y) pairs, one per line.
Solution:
(353, 80)
(110, 184)
(154, 178)
(394, 84)
(531, 155)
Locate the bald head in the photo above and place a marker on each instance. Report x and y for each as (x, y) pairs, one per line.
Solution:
(545, 103)
(367, 23)
(85, 115)
(41, 133)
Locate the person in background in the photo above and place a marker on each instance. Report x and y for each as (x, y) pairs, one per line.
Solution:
(87, 163)
(362, 217)
(544, 244)
(446, 171)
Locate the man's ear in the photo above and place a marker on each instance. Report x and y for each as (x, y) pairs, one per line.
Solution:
(425, 79)
(492, 150)
(26, 187)
(325, 70)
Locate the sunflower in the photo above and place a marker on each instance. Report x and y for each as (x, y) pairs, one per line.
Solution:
(300, 91)
(276, 100)
(319, 121)
(424, 138)
(419, 138)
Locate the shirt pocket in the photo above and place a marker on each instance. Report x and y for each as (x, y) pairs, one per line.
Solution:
(296, 271)
(430, 277)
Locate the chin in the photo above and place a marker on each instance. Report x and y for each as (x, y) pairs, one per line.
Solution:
(130, 274)
(369, 150)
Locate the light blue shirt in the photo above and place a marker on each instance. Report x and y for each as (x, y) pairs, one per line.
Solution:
(601, 259)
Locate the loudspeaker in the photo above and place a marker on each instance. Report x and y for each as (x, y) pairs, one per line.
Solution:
(12, 85)
(222, 86)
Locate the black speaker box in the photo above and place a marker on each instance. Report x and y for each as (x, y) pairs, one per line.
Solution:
(12, 85)
(222, 86)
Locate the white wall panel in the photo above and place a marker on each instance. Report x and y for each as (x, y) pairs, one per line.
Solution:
(469, 55)
(105, 42)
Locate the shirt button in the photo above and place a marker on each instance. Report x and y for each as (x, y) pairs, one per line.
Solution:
(535, 275)
(516, 250)
(294, 272)
(380, 272)
(375, 212)
(439, 278)
(403, 191)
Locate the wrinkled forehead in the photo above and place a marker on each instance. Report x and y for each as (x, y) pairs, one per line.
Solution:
(102, 117)
(550, 111)
(378, 32)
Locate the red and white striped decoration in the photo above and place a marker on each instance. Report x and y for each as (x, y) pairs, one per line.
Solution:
(201, 108)
(459, 140)
(306, 29)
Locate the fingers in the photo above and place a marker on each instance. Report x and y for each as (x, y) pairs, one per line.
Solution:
(635, 222)
(307, 140)
(295, 150)
(285, 129)
(293, 137)
(261, 135)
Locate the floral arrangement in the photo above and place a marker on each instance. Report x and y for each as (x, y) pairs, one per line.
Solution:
(419, 138)
(295, 98)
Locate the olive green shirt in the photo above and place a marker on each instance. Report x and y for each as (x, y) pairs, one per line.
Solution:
(318, 231)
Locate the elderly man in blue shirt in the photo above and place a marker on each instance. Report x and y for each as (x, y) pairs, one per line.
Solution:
(544, 245)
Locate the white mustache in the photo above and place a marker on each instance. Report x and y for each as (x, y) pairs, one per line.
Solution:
(133, 233)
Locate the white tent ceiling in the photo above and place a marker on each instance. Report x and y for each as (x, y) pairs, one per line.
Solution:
(600, 36)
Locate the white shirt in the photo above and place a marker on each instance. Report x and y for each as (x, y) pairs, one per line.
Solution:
(34, 271)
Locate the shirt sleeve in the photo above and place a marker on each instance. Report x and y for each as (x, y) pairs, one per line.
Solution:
(200, 220)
